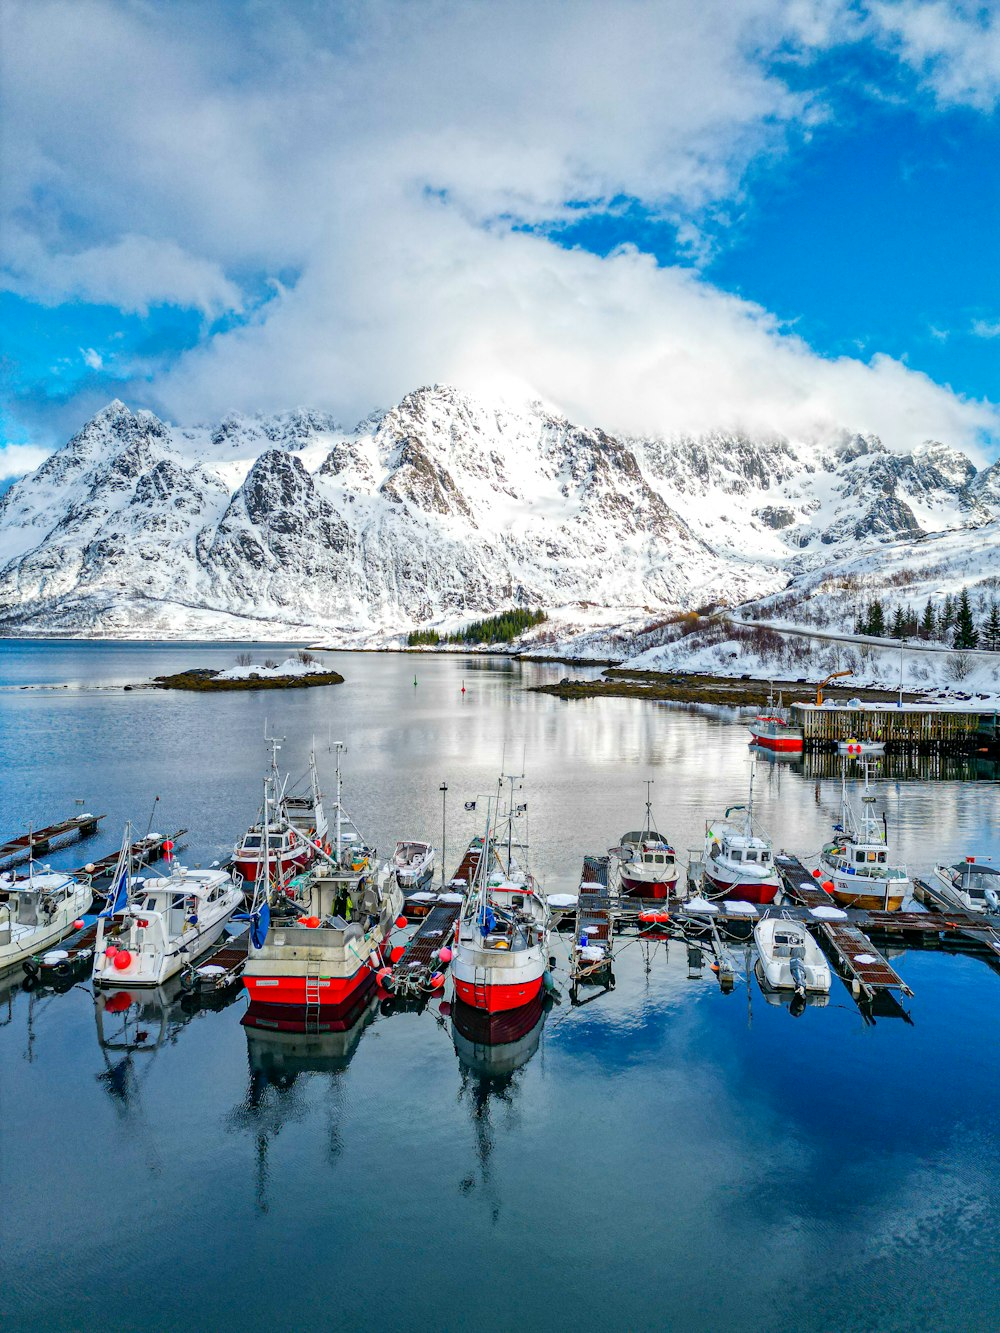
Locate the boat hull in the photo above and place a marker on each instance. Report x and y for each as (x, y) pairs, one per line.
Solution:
(136, 976)
(757, 891)
(643, 888)
(868, 901)
(494, 998)
(289, 991)
(780, 744)
(279, 866)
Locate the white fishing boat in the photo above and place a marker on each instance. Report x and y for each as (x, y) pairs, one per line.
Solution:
(971, 885)
(316, 943)
(164, 923)
(855, 749)
(858, 861)
(790, 959)
(501, 951)
(413, 864)
(649, 867)
(37, 912)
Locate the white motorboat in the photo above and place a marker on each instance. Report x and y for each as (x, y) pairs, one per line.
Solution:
(855, 749)
(413, 863)
(37, 912)
(738, 862)
(165, 923)
(970, 885)
(790, 959)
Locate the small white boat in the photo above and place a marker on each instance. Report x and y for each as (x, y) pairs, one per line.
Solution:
(855, 749)
(790, 959)
(970, 885)
(36, 912)
(413, 863)
(164, 925)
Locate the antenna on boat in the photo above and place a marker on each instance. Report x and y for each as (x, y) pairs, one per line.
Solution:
(649, 805)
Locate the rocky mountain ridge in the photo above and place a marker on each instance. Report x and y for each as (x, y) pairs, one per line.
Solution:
(440, 509)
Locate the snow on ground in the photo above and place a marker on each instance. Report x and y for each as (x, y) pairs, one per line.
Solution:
(291, 666)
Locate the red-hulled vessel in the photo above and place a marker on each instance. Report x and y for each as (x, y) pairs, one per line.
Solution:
(284, 852)
(773, 731)
(317, 942)
(648, 866)
(501, 949)
(738, 862)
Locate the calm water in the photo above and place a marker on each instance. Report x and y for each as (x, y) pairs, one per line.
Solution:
(663, 1156)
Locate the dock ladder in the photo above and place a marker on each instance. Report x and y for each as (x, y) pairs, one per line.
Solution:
(312, 993)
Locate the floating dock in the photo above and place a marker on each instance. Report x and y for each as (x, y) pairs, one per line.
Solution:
(412, 972)
(143, 853)
(220, 969)
(590, 963)
(36, 842)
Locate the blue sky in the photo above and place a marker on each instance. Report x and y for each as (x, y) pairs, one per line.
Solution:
(780, 215)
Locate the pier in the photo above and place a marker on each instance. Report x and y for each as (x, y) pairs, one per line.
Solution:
(413, 970)
(36, 842)
(590, 963)
(143, 853)
(958, 726)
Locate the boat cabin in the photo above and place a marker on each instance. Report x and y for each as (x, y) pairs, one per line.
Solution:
(649, 849)
(281, 841)
(742, 849)
(974, 880)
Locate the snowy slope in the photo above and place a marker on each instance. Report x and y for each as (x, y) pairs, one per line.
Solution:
(444, 508)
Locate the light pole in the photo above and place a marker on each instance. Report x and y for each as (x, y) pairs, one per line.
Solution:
(443, 789)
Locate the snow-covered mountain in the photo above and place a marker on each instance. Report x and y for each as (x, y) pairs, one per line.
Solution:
(443, 508)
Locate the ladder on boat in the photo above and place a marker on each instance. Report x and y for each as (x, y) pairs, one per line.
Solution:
(480, 998)
(312, 993)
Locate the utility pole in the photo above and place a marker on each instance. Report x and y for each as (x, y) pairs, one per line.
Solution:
(443, 789)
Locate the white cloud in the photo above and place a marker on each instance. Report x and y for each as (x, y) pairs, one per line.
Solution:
(986, 328)
(92, 358)
(379, 154)
(17, 459)
(953, 47)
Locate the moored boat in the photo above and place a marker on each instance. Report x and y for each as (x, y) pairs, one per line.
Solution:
(37, 912)
(413, 864)
(164, 924)
(790, 959)
(858, 861)
(855, 749)
(738, 862)
(648, 862)
(971, 885)
(501, 949)
(296, 824)
(774, 732)
(317, 943)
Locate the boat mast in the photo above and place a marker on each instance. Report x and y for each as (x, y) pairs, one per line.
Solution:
(339, 745)
(649, 805)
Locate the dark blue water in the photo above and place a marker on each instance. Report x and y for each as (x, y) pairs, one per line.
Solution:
(664, 1156)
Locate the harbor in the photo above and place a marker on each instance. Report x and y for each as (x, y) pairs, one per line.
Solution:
(656, 1010)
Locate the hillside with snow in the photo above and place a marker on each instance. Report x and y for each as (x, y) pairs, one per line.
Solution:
(443, 508)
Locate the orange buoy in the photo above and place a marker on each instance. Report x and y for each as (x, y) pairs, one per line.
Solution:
(311, 921)
(396, 953)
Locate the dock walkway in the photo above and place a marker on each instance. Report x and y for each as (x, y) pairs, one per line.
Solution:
(591, 962)
(854, 954)
(412, 972)
(36, 842)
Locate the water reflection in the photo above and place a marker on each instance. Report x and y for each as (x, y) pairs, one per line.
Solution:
(282, 1047)
(492, 1052)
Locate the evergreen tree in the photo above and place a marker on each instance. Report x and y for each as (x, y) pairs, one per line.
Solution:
(928, 621)
(965, 627)
(876, 619)
(947, 617)
(912, 622)
(991, 629)
(898, 630)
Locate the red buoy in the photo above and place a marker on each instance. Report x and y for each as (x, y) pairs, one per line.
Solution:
(437, 980)
(311, 921)
(78, 925)
(445, 954)
(828, 885)
(168, 846)
(122, 959)
(401, 922)
(816, 873)
(382, 977)
(396, 953)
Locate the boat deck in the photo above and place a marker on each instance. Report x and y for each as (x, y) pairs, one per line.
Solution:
(39, 841)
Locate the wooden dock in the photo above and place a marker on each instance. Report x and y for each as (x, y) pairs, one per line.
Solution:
(854, 955)
(221, 969)
(412, 971)
(36, 842)
(924, 727)
(144, 852)
(590, 963)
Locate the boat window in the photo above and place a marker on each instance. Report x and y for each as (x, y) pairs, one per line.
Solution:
(252, 840)
(872, 856)
(275, 839)
(859, 857)
(881, 858)
(737, 856)
(751, 855)
(765, 856)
